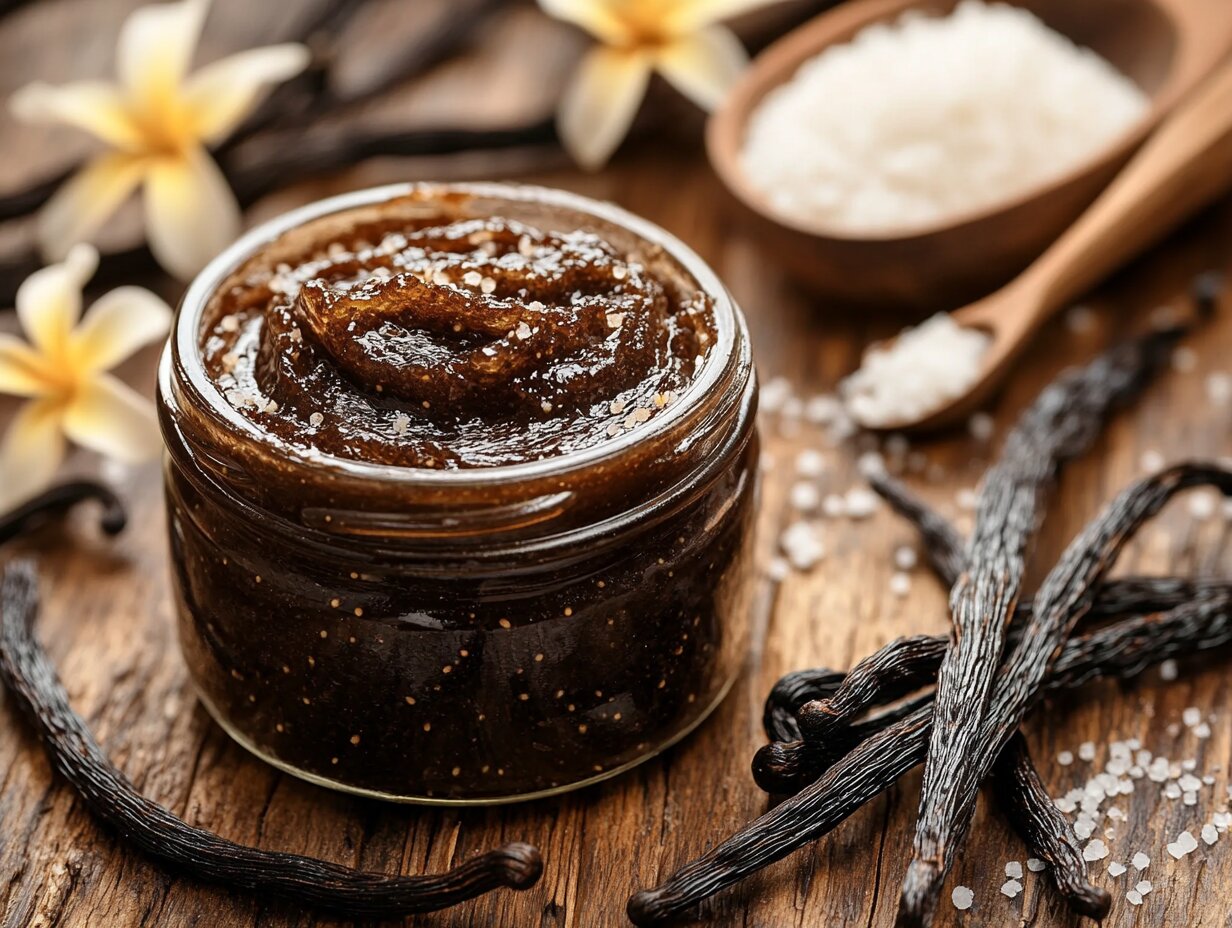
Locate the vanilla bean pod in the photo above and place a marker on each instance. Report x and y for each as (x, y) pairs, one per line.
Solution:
(31, 679)
(1062, 422)
(1123, 650)
(1064, 597)
(1045, 829)
(943, 545)
(54, 502)
(876, 763)
(1127, 596)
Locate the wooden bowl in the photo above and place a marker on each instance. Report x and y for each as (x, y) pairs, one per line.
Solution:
(1165, 46)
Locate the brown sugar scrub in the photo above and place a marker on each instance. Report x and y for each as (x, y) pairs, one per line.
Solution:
(460, 485)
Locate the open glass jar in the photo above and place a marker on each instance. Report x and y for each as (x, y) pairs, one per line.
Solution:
(468, 634)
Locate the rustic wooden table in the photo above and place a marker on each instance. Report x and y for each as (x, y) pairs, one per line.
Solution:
(108, 624)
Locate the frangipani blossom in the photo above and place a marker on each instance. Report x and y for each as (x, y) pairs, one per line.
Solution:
(677, 38)
(62, 370)
(157, 122)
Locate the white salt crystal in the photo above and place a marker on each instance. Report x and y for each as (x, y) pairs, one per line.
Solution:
(1203, 504)
(1210, 834)
(834, 506)
(1095, 850)
(905, 557)
(774, 393)
(823, 409)
(1219, 388)
(871, 464)
(1187, 841)
(1141, 861)
(1035, 865)
(1011, 888)
(1014, 870)
(1086, 750)
(1144, 887)
(1083, 830)
(900, 584)
(1184, 359)
(1191, 716)
(1202, 730)
(962, 897)
(981, 426)
(1116, 869)
(1168, 670)
(810, 463)
(921, 370)
(1134, 897)
(872, 133)
(861, 503)
(803, 545)
(1065, 758)
(1151, 461)
(804, 496)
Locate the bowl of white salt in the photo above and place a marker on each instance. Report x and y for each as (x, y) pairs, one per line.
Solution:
(917, 154)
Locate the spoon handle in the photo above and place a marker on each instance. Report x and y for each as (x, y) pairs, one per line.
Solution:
(1186, 164)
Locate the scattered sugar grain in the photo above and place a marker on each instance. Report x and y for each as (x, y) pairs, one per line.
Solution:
(1065, 758)
(1011, 888)
(900, 584)
(1144, 887)
(1219, 388)
(861, 503)
(1203, 504)
(1151, 461)
(962, 897)
(805, 496)
(1116, 869)
(1134, 897)
(810, 463)
(1095, 850)
(906, 557)
(1168, 670)
(981, 426)
(1210, 834)
(1013, 870)
(1086, 751)
(1184, 359)
(802, 545)
(1140, 861)
(1035, 865)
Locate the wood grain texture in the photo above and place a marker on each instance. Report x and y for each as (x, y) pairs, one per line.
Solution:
(108, 624)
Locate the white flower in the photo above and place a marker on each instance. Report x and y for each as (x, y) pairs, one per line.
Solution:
(677, 38)
(63, 371)
(157, 122)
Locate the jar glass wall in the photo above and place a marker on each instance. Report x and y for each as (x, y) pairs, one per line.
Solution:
(477, 634)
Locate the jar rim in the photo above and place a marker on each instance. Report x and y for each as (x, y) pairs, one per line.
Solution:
(184, 346)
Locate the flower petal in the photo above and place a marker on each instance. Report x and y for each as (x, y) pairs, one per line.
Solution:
(94, 106)
(685, 16)
(191, 213)
(23, 371)
(49, 301)
(598, 17)
(31, 452)
(156, 47)
(117, 325)
(224, 92)
(599, 105)
(106, 416)
(86, 200)
(703, 66)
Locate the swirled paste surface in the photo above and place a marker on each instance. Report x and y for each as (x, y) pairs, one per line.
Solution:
(452, 341)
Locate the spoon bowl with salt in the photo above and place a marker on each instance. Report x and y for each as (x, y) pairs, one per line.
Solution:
(1186, 164)
(1161, 48)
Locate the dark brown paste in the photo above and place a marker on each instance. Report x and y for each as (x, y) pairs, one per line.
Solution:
(449, 341)
(448, 628)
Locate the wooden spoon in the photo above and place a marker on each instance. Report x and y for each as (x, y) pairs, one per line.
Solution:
(1186, 164)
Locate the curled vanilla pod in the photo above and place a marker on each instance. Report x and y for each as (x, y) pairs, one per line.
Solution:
(30, 677)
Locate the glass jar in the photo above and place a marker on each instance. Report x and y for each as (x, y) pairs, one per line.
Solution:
(473, 635)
